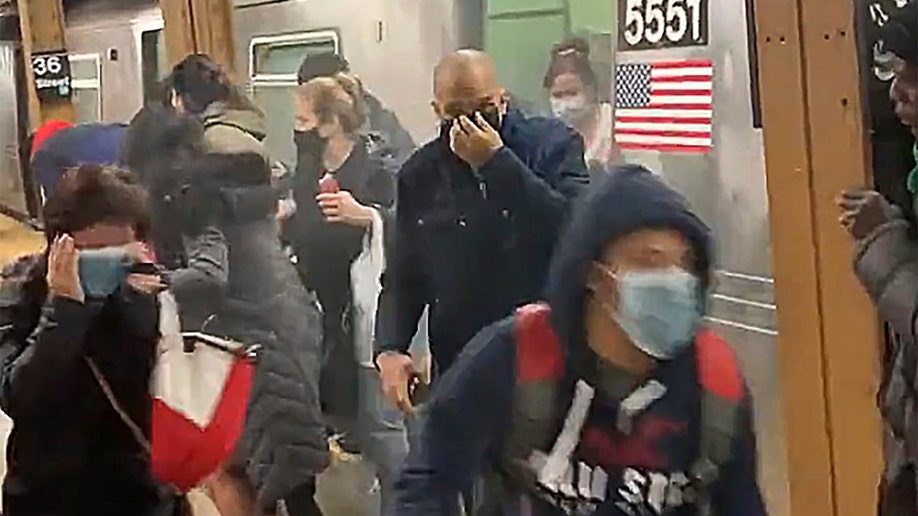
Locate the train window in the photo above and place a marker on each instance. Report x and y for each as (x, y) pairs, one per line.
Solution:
(86, 70)
(273, 63)
(279, 57)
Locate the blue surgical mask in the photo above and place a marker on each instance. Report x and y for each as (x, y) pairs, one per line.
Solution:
(571, 110)
(102, 270)
(659, 310)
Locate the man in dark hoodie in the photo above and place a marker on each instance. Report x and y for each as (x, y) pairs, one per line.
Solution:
(610, 399)
(885, 263)
(479, 209)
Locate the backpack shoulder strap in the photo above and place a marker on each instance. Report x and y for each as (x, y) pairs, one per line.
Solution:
(722, 393)
(538, 349)
(539, 369)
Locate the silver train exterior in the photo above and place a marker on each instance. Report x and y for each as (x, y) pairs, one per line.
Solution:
(393, 46)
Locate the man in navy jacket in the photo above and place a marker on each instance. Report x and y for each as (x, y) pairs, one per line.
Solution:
(621, 333)
(478, 212)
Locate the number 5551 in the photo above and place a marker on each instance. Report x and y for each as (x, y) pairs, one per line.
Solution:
(649, 21)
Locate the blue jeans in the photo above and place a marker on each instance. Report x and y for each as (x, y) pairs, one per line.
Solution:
(384, 433)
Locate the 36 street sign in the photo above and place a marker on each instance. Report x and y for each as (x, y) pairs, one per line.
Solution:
(51, 72)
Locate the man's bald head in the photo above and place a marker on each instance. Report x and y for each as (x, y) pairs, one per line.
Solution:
(464, 66)
(465, 82)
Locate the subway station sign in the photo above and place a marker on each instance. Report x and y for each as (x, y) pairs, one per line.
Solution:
(51, 73)
(653, 24)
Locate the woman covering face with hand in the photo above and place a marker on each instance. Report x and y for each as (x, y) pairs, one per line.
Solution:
(78, 333)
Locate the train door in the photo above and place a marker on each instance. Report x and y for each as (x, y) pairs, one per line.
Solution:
(685, 109)
(706, 141)
(273, 65)
(153, 59)
(12, 197)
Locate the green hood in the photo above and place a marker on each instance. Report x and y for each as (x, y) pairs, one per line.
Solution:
(233, 131)
(250, 121)
(912, 181)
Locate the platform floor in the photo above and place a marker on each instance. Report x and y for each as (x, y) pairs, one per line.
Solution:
(16, 239)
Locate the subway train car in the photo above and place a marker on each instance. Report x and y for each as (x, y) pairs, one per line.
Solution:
(118, 54)
(708, 143)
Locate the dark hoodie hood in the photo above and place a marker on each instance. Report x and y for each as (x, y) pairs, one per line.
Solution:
(628, 199)
(900, 34)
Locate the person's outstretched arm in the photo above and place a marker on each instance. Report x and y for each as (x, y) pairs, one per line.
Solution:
(467, 416)
(207, 271)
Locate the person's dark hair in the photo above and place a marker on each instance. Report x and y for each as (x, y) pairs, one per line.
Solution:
(338, 96)
(157, 141)
(900, 34)
(200, 82)
(325, 64)
(571, 56)
(92, 194)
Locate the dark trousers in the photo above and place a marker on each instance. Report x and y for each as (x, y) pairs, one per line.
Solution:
(485, 497)
(302, 501)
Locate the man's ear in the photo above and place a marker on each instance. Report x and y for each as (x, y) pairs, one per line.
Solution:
(436, 109)
(600, 282)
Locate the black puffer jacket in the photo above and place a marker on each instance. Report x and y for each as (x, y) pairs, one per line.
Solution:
(219, 237)
(69, 451)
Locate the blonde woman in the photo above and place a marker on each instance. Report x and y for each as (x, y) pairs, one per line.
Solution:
(343, 191)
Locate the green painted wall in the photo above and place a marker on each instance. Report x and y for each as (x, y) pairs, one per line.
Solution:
(520, 48)
(592, 16)
(516, 6)
(519, 35)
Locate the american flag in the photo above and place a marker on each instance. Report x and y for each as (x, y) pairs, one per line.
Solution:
(664, 106)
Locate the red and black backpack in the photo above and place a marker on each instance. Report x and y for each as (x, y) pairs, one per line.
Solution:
(539, 400)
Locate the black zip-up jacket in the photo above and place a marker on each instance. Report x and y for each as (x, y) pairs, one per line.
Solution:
(474, 245)
(69, 452)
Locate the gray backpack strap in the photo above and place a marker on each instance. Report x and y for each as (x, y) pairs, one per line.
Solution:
(722, 393)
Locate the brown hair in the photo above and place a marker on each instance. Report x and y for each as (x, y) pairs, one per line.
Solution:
(92, 194)
(570, 56)
(341, 96)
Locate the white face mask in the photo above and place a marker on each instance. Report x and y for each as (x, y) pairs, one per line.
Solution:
(571, 109)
